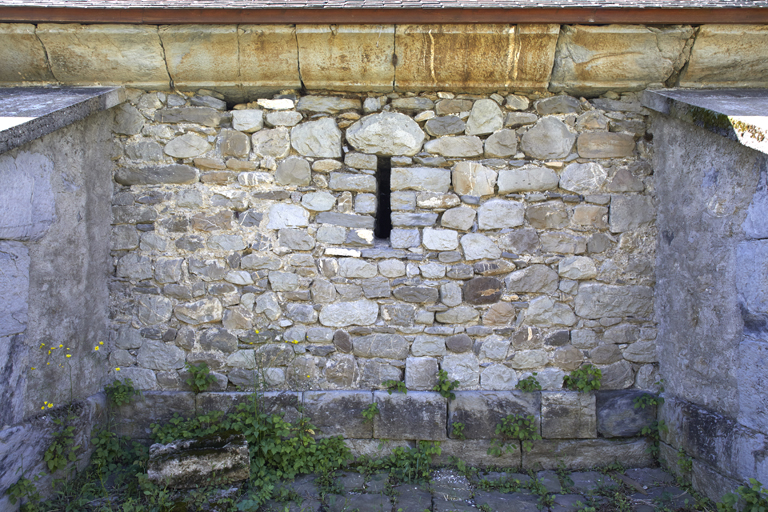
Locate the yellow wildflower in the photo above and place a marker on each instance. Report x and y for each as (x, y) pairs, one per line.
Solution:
(61, 345)
(256, 331)
(96, 348)
(117, 369)
(33, 367)
(307, 376)
(69, 355)
(101, 343)
(47, 364)
(295, 342)
(42, 408)
(50, 405)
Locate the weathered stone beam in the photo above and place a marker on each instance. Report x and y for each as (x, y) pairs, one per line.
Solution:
(22, 56)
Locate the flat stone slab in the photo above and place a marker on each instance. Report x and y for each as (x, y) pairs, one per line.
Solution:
(498, 501)
(412, 498)
(359, 502)
(28, 113)
(737, 114)
(585, 482)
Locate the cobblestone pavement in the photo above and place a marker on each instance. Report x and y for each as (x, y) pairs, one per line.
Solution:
(639, 490)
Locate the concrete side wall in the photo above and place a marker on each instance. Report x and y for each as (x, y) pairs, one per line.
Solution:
(54, 256)
(261, 59)
(710, 300)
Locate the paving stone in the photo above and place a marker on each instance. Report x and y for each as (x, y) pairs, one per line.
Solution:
(568, 503)
(377, 482)
(412, 498)
(515, 501)
(587, 482)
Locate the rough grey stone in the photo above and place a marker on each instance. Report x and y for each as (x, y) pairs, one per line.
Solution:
(481, 411)
(199, 312)
(154, 309)
(321, 138)
(517, 119)
(444, 125)
(533, 279)
(472, 178)
(527, 179)
(577, 267)
(601, 300)
(498, 377)
(418, 415)
(156, 175)
(561, 104)
(327, 104)
(459, 343)
(420, 178)
(498, 213)
(218, 339)
(413, 219)
(548, 139)
(386, 134)
(293, 172)
(427, 345)
(587, 453)
(187, 146)
(346, 220)
(561, 242)
(477, 246)
(484, 118)
(283, 118)
(413, 103)
(352, 182)
(377, 287)
(483, 290)
(500, 314)
(605, 145)
(630, 212)
(456, 147)
(157, 355)
(450, 294)
(287, 216)
(420, 373)
(416, 294)
(275, 143)
(462, 367)
(233, 143)
(494, 347)
(461, 218)
(457, 315)
(248, 120)
(548, 215)
(318, 201)
(568, 415)
(546, 312)
(295, 239)
(365, 204)
(128, 120)
(134, 267)
(586, 178)
(356, 268)
(440, 239)
(398, 314)
(341, 314)
(501, 144)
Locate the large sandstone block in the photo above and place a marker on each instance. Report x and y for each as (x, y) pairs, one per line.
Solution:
(568, 415)
(269, 59)
(134, 419)
(482, 411)
(587, 453)
(591, 60)
(435, 57)
(192, 51)
(419, 415)
(728, 56)
(129, 55)
(617, 415)
(22, 56)
(339, 413)
(475, 452)
(346, 57)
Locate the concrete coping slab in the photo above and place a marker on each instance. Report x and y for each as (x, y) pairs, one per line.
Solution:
(737, 114)
(28, 113)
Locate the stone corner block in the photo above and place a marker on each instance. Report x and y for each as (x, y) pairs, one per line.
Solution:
(568, 415)
(617, 416)
(339, 413)
(481, 411)
(418, 415)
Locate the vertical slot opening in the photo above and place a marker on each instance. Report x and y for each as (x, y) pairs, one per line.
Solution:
(383, 225)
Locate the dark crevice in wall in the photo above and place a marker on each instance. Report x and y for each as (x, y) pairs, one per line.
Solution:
(674, 79)
(165, 61)
(47, 57)
(383, 225)
(298, 57)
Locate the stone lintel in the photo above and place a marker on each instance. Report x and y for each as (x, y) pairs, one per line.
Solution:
(737, 114)
(28, 113)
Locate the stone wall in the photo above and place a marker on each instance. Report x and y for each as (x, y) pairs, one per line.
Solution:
(522, 241)
(710, 301)
(54, 269)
